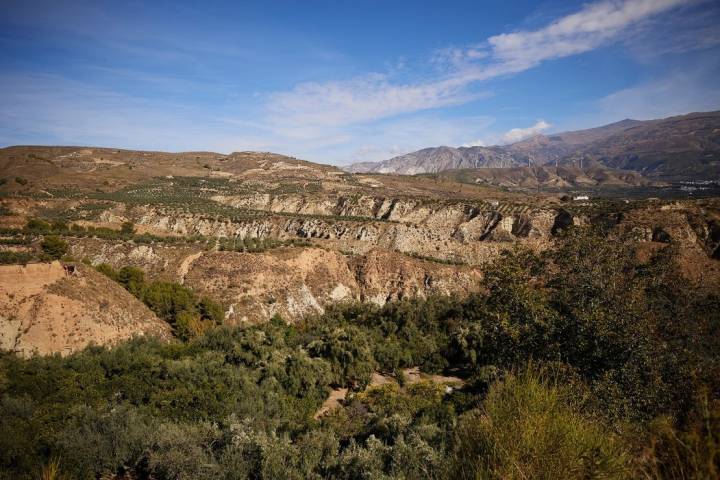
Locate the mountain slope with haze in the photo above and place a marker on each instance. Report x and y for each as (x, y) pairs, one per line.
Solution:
(685, 147)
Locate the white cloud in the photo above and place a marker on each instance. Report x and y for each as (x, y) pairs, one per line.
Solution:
(357, 100)
(42, 109)
(517, 134)
(579, 32)
(363, 118)
(392, 137)
(309, 109)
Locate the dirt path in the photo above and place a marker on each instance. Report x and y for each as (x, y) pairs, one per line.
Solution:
(186, 264)
(333, 401)
(412, 375)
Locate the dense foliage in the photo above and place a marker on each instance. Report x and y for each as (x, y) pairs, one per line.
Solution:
(53, 247)
(188, 314)
(581, 363)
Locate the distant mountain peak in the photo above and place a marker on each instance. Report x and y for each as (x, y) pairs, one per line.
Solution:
(684, 146)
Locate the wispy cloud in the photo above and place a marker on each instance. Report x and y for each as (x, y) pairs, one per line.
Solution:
(511, 136)
(579, 32)
(367, 117)
(480, 142)
(358, 100)
(672, 95)
(310, 107)
(43, 108)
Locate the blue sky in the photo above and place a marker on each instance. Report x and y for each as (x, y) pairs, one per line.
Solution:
(345, 81)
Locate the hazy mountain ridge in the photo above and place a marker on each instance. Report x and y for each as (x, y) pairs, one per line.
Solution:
(549, 176)
(683, 147)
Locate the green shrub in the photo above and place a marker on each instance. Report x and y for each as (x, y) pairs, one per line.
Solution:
(59, 226)
(53, 247)
(690, 452)
(133, 279)
(211, 310)
(21, 180)
(172, 302)
(529, 427)
(127, 228)
(633, 349)
(168, 299)
(37, 226)
(10, 258)
(107, 270)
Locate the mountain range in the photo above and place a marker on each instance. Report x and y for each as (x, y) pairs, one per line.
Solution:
(685, 147)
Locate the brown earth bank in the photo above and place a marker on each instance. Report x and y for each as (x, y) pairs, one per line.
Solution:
(389, 260)
(54, 308)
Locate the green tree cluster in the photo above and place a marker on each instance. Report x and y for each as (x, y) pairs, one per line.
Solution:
(53, 247)
(178, 305)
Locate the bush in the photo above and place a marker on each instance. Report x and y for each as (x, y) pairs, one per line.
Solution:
(11, 258)
(633, 349)
(21, 180)
(59, 226)
(37, 226)
(531, 428)
(53, 247)
(172, 302)
(127, 228)
(168, 299)
(107, 270)
(133, 279)
(691, 452)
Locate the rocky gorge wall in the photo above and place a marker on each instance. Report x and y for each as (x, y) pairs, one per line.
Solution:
(288, 281)
(371, 258)
(458, 232)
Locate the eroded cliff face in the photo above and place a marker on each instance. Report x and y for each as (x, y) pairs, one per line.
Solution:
(452, 231)
(367, 238)
(48, 308)
(294, 282)
(378, 250)
(289, 281)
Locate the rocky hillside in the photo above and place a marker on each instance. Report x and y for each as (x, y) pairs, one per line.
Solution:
(685, 147)
(549, 177)
(438, 159)
(51, 308)
(289, 281)
(263, 234)
(380, 250)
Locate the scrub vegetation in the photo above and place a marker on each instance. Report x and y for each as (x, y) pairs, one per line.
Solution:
(579, 363)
